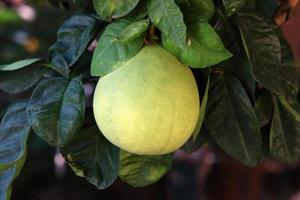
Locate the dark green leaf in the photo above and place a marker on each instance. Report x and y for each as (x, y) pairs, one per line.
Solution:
(202, 110)
(14, 130)
(204, 47)
(200, 9)
(167, 17)
(92, 156)
(140, 171)
(193, 145)
(56, 109)
(19, 64)
(72, 39)
(107, 9)
(233, 6)
(133, 31)
(263, 108)
(264, 52)
(231, 120)
(285, 133)
(238, 64)
(20, 80)
(110, 55)
(267, 7)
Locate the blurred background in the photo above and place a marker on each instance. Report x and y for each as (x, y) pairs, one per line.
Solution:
(27, 29)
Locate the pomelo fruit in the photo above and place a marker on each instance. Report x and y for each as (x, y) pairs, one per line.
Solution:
(148, 106)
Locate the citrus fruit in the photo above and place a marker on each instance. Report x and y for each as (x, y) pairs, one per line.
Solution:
(148, 106)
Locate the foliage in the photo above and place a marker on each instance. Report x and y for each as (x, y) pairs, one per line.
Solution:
(251, 82)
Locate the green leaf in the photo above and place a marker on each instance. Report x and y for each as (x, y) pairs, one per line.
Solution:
(285, 133)
(19, 64)
(167, 17)
(233, 6)
(263, 48)
(14, 130)
(140, 171)
(200, 9)
(133, 31)
(231, 120)
(107, 9)
(193, 145)
(204, 47)
(263, 108)
(110, 55)
(56, 110)
(92, 156)
(72, 39)
(202, 110)
(238, 64)
(20, 80)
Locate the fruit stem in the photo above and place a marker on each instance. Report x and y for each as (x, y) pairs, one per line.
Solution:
(152, 38)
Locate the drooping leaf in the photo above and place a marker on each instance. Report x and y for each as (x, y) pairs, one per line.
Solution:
(233, 6)
(133, 31)
(72, 39)
(263, 108)
(110, 55)
(92, 156)
(204, 47)
(20, 80)
(19, 64)
(14, 130)
(231, 120)
(201, 9)
(285, 133)
(193, 145)
(264, 53)
(238, 64)
(167, 17)
(202, 111)
(140, 171)
(56, 109)
(114, 9)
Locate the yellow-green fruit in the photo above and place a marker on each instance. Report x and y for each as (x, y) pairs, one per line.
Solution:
(148, 106)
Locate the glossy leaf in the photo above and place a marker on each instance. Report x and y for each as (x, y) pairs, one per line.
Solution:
(231, 120)
(285, 133)
(72, 39)
(264, 53)
(56, 109)
(140, 171)
(110, 55)
(204, 47)
(92, 156)
(133, 31)
(19, 64)
(233, 6)
(14, 130)
(238, 64)
(167, 17)
(20, 80)
(107, 9)
(264, 108)
(201, 9)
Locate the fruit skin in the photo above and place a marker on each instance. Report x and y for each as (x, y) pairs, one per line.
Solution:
(148, 106)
